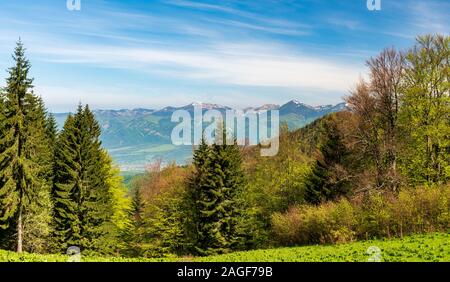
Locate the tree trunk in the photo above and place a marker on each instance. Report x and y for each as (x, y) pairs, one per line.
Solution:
(19, 232)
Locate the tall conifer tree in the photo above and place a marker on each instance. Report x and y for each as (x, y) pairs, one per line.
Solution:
(82, 196)
(66, 186)
(198, 186)
(22, 146)
(214, 190)
(327, 180)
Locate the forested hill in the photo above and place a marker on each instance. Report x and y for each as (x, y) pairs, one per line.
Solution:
(137, 137)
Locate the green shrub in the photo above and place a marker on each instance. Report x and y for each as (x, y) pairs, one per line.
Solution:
(344, 218)
(373, 216)
(376, 215)
(327, 223)
(429, 209)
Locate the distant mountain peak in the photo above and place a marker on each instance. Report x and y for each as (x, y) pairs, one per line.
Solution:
(208, 106)
(306, 111)
(263, 108)
(191, 106)
(299, 104)
(123, 112)
(196, 103)
(128, 133)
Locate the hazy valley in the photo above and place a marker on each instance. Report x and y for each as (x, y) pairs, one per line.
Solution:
(137, 137)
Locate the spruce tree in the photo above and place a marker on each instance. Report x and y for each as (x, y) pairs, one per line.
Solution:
(327, 180)
(214, 192)
(316, 189)
(37, 217)
(134, 234)
(66, 190)
(51, 131)
(228, 175)
(6, 232)
(198, 185)
(22, 146)
(97, 205)
(82, 195)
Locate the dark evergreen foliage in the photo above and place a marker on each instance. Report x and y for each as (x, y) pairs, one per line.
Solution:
(83, 204)
(214, 192)
(23, 146)
(328, 179)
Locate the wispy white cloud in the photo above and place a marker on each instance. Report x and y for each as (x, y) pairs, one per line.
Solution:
(65, 99)
(297, 31)
(343, 22)
(261, 23)
(236, 64)
(230, 45)
(198, 5)
(430, 16)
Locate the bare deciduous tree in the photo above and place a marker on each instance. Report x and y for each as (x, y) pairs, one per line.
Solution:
(376, 104)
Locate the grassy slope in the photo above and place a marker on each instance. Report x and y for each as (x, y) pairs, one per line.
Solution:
(430, 247)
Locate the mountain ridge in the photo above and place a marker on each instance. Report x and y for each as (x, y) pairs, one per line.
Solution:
(136, 137)
(209, 106)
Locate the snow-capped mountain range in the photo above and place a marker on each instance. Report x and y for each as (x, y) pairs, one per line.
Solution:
(134, 137)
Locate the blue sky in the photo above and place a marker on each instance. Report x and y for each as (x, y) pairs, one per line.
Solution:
(153, 53)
